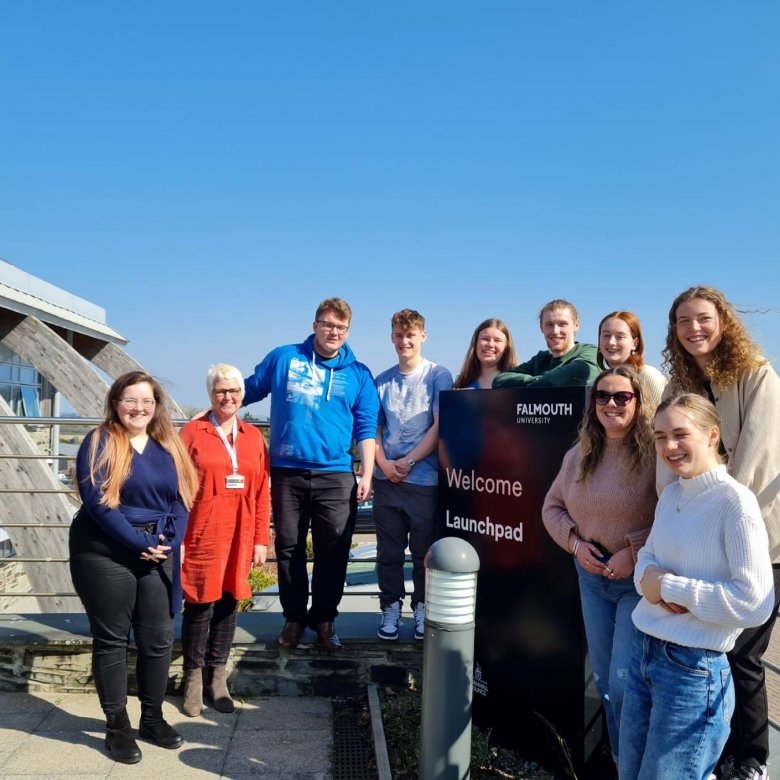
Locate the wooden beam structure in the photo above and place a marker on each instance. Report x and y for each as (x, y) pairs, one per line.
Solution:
(55, 359)
(23, 507)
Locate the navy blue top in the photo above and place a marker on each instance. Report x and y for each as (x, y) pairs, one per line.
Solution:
(150, 494)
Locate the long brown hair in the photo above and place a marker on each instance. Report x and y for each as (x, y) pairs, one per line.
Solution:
(735, 353)
(639, 437)
(636, 358)
(471, 366)
(116, 456)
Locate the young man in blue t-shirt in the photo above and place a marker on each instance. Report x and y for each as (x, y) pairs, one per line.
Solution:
(321, 398)
(406, 476)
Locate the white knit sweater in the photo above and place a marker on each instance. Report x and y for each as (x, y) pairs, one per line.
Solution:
(708, 531)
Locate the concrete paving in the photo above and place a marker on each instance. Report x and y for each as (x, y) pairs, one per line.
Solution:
(49, 735)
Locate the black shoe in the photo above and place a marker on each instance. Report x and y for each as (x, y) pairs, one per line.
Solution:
(120, 742)
(154, 728)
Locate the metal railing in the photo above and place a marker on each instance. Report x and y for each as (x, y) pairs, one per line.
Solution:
(55, 456)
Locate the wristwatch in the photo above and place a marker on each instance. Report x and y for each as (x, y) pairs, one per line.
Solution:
(410, 462)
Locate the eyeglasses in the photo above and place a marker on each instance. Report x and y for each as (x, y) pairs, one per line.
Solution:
(622, 398)
(331, 326)
(136, 403)
(230, 391)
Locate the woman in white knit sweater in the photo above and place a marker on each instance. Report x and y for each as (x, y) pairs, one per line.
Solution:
(704, 575)
(710, 352)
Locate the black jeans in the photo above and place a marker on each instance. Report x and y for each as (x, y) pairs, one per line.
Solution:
(207, 632)
(119, 592)
(403, 514)
(325, 501)
(748, 742)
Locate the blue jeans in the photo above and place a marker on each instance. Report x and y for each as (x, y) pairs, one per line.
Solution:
(676, 711)
(606, 610)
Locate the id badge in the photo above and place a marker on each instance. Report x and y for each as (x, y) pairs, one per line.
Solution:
(234, 481)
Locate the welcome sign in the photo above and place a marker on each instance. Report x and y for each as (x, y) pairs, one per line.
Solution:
(499, 453)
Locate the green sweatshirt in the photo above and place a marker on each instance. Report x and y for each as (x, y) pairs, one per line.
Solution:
(577, 367)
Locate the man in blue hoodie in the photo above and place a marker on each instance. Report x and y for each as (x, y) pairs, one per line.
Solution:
(321, 399)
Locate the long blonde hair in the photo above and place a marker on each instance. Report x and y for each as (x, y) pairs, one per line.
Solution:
(115, 457)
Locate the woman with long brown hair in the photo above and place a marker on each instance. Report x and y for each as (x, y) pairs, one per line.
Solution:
(710, 352)
(621, 343)
(136, 484)
(600, 509)
(490, 352)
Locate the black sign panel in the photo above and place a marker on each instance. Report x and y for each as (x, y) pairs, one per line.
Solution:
(499, 453)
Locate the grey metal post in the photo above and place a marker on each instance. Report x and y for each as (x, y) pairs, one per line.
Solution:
(448, 659)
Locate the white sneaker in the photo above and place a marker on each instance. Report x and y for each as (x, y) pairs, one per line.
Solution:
(419, 621)
(391, 619)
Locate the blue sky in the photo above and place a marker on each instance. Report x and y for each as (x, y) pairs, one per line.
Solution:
(209, 172)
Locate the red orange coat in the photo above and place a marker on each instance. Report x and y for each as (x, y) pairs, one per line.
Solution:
(224, 523)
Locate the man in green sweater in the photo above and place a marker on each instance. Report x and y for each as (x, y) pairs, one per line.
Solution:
(565, 363)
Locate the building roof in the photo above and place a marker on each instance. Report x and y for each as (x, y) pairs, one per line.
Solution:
(26, 294)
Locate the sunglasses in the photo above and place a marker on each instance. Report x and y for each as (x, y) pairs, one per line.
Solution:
(623, 398)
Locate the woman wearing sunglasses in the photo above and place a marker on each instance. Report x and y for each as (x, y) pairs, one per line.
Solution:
(227, 534)
(704, 575)
(621, 344)
(710, 352)
(599, 509)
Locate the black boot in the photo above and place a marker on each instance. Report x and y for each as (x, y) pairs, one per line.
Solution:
(120, 742)
(153, 727)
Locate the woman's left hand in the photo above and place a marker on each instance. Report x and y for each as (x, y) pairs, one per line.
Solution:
(259, 554)
(620, 566)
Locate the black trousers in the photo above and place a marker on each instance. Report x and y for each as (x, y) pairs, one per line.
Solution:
(207, 632)
(326, 502)
(121, 592)
(748, 742)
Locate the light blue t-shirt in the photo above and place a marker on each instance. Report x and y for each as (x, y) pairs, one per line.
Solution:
(408, 403)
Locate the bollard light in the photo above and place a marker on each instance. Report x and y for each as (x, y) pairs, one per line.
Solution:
(451, 567)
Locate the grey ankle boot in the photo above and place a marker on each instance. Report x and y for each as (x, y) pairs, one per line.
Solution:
(217, 689)
(192, 691)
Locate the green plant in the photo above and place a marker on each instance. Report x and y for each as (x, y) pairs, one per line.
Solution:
(259, 579)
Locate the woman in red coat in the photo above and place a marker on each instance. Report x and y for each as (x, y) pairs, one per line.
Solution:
(226, 535)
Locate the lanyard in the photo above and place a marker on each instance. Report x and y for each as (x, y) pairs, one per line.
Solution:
(230, 449)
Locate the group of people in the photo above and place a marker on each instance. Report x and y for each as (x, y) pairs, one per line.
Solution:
(668, 586)
(672, 515)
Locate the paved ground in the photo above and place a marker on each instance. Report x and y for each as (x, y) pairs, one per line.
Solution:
(61, 735)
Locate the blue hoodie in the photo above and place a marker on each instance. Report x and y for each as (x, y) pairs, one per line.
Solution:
(317, 406)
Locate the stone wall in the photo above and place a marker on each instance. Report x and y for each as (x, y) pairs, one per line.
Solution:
(53, 652)
(255, 670)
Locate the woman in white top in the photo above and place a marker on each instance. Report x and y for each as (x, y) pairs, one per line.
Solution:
(709, 351)
(704, 575)
(621, 344)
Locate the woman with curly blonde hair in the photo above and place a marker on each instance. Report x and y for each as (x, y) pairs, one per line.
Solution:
(600, 509)
(709, 352)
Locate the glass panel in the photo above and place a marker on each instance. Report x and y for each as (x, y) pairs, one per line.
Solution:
(29, 376)
(30, 399)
